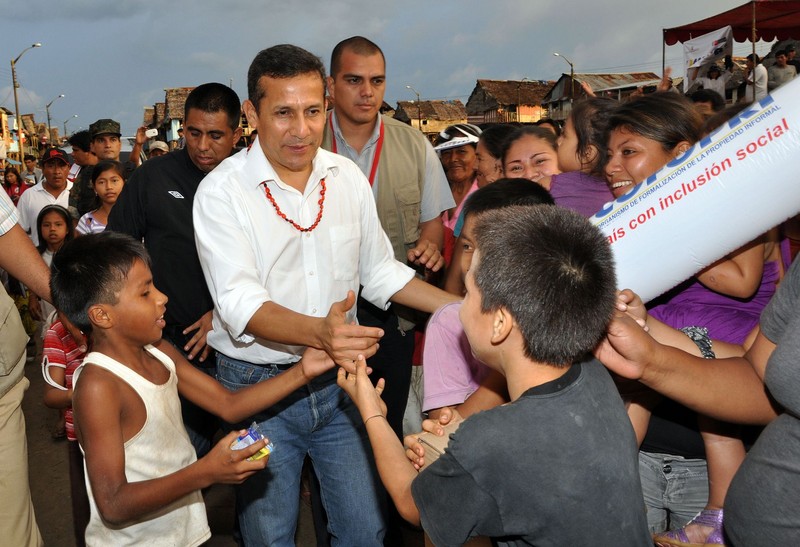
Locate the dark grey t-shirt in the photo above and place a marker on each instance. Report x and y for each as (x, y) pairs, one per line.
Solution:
(556, 467)
(763, 502)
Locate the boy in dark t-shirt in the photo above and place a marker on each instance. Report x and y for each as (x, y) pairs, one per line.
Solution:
(557, 465)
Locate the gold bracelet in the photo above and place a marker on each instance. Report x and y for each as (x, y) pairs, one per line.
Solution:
(373, 416)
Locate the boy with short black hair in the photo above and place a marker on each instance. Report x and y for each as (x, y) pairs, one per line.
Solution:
(450, 371)
(143, 477)
(557, 465)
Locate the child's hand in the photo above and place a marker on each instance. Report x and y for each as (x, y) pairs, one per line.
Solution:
(415, 451)
(629, 302)
(315, 362)
(360, 389)
(227, 466)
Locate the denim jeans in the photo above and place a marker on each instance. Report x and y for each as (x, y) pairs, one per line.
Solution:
(319, 420)
(675, 489)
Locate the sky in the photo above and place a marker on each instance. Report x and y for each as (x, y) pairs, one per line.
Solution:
(111, 59)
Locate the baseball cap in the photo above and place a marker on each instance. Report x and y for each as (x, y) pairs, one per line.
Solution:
(159, 145)
(54, 154)
(105, 126)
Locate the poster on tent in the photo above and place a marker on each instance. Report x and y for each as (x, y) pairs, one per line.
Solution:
(699, 53)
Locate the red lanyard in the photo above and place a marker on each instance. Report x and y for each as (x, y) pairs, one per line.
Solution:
(378, 147)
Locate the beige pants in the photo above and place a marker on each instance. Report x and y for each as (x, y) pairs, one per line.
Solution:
(17, 521)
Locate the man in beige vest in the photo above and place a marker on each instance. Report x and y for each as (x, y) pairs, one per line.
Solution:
(410, 191)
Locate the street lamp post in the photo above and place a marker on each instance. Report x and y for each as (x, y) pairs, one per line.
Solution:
(65, 123)
(47, 108)
(16, 100)
(419, 107)
(571, 76)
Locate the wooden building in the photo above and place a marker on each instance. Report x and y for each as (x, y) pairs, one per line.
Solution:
(431, 117)
(503, 101)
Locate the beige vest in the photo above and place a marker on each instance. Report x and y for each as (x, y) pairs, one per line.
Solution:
(401, 176)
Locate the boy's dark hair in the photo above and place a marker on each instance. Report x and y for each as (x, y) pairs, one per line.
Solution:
(90, 270)
(505, 193)
(589, 119)
(53, 208)
(553, 271)
(356, 44)
(212, 98)
(708, 96)
(81, 140)
(281, 61)
(30, 157)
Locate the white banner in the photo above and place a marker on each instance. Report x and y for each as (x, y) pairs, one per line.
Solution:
(725, 191)
(699, 53)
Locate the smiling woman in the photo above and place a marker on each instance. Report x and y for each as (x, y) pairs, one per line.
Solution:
(456, 146)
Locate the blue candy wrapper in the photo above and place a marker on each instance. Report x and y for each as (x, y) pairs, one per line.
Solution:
(253, 435)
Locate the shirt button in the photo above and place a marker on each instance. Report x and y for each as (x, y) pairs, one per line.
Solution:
(311, 273)
(314, 310)
(667, 469)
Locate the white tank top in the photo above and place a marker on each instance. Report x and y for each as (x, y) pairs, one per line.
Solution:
(161, 447)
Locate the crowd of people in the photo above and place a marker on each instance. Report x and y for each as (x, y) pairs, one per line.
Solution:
(283, 293)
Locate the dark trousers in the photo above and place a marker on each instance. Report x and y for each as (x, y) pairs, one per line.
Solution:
(392, 362)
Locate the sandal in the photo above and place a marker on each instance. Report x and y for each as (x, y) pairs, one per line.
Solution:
(677, 538)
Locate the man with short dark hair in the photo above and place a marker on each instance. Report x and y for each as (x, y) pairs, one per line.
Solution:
(286, 234)
(755, 79)
(156, 205)
(409, 188)
(105, 145)
(53, 190)
(707, 101)
(781, 72)
(32, 174)
(80, 175)
(790, 58)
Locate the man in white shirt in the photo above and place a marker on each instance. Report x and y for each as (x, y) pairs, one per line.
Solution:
(286, 233)
(755, 78)
(53, 190)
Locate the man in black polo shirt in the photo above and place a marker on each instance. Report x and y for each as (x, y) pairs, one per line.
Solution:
(156, 206)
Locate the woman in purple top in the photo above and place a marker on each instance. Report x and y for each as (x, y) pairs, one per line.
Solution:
(723, 301)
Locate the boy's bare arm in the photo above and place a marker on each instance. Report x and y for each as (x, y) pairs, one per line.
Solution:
(100, 405)
(395, 470)
(423, 296)
(234, 406)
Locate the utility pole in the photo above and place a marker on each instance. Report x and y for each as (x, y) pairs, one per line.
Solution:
(15, 83)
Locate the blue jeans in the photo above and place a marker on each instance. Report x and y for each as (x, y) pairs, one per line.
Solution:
(675, 489)
(319, 420)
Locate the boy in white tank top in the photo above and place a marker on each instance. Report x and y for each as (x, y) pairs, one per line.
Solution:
(142, 474)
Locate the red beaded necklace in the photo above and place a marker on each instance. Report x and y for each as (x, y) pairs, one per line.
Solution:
(290, 221)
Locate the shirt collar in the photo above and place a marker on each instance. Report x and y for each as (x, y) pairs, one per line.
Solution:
(258, 169)
(337, 133)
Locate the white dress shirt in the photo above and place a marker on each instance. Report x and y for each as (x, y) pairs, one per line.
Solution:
(251, 256)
